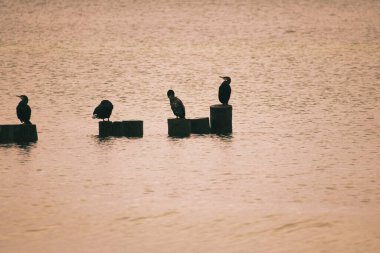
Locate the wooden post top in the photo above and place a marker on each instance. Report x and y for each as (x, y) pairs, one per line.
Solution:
(178, 119)
(133, 120)
(221, 106)
(200, 118)
(8, 125)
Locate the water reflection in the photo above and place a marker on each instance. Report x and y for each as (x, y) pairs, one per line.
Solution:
(25, 146)
(28, 146)
(224, 137)
(177, 138)
(103, 141)
(23, 152)
(6, 145)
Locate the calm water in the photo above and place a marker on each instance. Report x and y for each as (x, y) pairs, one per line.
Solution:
(299, 174)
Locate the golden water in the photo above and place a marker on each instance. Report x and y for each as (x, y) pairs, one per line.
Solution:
(299, 174)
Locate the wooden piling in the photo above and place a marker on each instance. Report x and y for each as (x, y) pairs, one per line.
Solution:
(105, 128)
(18, 133)
(200, 126)
(128, 128)
(133, 128)
(179, 127)
(118, 129)
(221, 119)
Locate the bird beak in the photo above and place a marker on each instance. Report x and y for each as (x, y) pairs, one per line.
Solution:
(222, 77)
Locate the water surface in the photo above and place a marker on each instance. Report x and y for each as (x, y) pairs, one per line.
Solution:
(299, 174)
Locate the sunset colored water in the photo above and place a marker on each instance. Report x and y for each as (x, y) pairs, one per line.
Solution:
(300, 173)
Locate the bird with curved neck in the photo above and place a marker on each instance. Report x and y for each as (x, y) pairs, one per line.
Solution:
(103, 111)
(23, 110)
(225, 90)
(176, 104)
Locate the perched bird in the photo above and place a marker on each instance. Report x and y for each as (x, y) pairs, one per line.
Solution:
(225, 90)
(23, 110)
(103, 111)
(176, 104)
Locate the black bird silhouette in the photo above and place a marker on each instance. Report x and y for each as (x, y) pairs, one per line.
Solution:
(176, 104)
(225, 90)
(103, 111)
(23, 110)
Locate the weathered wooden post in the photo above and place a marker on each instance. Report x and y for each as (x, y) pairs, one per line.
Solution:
(221, 119)
(200, 126)
(133, 128)
(105, 128)
(6, 133)
(18, 133)
(26, 133)
(179, 127)
(117, 129)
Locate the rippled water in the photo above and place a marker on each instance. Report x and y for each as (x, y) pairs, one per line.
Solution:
(299, 174)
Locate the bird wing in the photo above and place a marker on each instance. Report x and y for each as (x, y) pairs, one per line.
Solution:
(224, 92)
(28, 112)
(228, 90)
(23, 112)
(109, 105)
(19, 111)
(180, 108)
(220, 93)
(173, 106)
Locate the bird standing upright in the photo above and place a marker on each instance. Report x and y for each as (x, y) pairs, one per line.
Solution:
(176, 104)
(23, 110)
(104, 110)
(225, 90)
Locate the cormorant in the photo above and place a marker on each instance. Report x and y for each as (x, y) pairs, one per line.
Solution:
(225, 90)
(176, 104)
(103, 111)
(23, 110)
